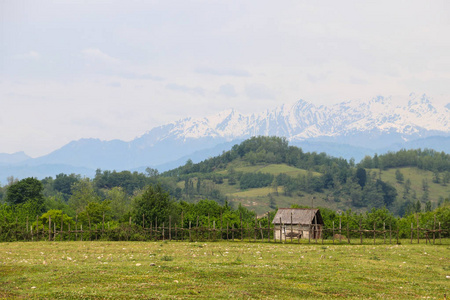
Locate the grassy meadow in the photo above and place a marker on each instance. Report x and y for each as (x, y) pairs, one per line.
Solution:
(222, 270)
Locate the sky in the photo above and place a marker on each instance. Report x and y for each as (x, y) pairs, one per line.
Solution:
(116, 69)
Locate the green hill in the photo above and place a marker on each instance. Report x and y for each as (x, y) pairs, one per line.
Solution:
(263, 173)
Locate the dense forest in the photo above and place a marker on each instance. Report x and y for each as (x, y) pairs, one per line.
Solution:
(200, 190)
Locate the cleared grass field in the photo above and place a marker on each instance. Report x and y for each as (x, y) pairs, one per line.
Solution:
(416, 176)
(221, 270)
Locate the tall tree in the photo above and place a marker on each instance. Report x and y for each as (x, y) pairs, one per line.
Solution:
(154, 204)
(25, 190)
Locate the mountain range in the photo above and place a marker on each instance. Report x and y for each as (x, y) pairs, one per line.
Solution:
(349, 129)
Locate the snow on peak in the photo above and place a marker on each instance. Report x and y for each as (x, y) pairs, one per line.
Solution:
(305, 120)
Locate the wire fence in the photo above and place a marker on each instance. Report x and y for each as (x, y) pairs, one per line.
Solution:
(223, 231)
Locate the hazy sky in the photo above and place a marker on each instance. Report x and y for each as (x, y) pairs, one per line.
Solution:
(116, 69)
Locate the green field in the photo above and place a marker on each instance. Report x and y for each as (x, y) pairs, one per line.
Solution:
(233, 270)
(416, 176)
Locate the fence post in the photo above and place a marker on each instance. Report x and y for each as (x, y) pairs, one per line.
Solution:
(196, 230)
(360, 230)
(417, 217)
(62, 226)
(76, 227)
(232, 232)
(190, 239)
(170, 228)
(348, 232)
(89, 219)
(242, 233)
(221, 226)
(37, 228)
(309, 233)
(256, 220)
(227, 231)
(182, 226)
(333, 232)
(390, 232)
(315, 225)
(49, 228)
(374, 233)
(434, 229)
(440, 241)
(291, 227)
(209, 229)
(411, 232)
(281, 231)
(340, 229)
(384, 232)
(268, 229)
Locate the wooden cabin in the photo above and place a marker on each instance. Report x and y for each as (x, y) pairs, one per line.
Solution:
(302, 223)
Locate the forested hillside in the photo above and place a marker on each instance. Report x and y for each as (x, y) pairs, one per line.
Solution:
(253, 178)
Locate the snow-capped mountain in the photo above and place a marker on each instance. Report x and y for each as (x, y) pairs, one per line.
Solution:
(419, 118)
(350, 129)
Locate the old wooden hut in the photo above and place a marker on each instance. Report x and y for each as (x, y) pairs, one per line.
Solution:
(298, 223)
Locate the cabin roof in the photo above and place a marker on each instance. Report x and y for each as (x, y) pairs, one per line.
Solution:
(303, 216)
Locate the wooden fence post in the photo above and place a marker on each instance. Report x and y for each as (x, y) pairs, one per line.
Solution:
(417, 217)
(49, 228)
(281, 231)
(390, 232)
(316, 229)
(333, 232)
(227, 231)
(242, 233)
(384, 232)
(37, 228)
(374, 233)
(348, 232)
(309, 234)
(360, 231)
(89, 219)
(440, 241)
(291, 227)
(340, 229)
(182, 226)
(221, 226)
(209, 229)
(170, 228)
(434, 229)
(256, 220)
(411, 232)
(190, 239)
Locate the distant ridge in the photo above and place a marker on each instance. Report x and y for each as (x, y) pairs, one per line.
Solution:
(349, 129)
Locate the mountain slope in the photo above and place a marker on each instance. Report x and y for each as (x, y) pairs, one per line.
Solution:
(347, 129)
